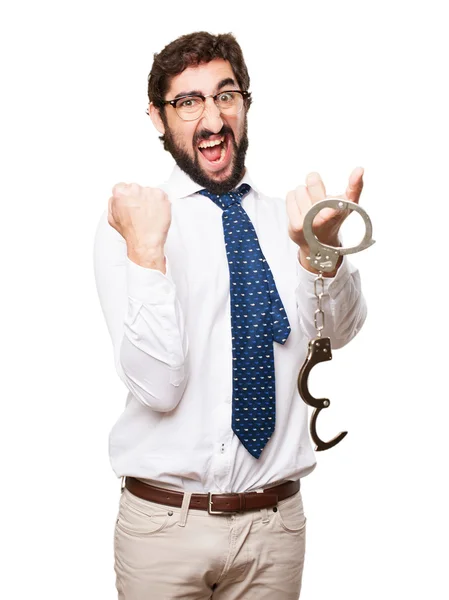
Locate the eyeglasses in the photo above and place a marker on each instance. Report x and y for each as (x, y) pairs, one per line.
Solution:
(190, 108)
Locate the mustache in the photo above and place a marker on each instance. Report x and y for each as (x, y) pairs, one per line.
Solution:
(205, 134)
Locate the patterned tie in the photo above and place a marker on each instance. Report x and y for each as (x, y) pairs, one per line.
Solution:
(257, 318)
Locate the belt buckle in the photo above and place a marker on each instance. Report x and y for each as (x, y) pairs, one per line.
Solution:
(214, 512)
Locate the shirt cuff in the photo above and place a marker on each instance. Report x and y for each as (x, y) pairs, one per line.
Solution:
(150, 286)
(332, 285)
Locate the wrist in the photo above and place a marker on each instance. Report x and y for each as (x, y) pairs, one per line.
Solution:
(150, 257)
(303, 257)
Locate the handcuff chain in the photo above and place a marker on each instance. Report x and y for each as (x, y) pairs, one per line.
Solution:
(318, 287)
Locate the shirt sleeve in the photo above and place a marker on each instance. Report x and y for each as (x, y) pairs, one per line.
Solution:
(343, 304)
(145, 322)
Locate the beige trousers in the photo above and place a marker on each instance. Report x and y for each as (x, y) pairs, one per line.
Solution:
(164, 552)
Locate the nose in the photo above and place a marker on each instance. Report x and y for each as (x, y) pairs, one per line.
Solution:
(211, 117)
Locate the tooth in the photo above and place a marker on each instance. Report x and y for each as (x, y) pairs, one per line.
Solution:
(210, 144)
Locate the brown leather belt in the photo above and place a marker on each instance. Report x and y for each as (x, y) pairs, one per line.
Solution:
(214, 503)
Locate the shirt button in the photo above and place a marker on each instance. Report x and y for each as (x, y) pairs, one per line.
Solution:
(228, 399)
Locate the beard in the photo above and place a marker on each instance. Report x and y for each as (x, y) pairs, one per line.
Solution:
(191, 166)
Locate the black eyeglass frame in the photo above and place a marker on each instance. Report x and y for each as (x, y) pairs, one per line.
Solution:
(245, 95)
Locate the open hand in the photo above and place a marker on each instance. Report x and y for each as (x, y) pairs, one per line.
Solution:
(328, 221)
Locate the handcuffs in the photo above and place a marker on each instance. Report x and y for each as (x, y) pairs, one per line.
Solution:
(324, 258)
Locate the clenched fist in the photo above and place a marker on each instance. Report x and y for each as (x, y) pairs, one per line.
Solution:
(142, 216)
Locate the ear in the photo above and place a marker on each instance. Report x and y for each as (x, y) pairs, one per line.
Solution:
(156, 118)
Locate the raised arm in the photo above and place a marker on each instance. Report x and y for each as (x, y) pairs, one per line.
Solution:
(138, 296)
(343, 303)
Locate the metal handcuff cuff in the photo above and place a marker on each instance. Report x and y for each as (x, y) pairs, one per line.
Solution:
(324, 258)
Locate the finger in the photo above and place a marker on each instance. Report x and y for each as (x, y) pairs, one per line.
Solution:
(355, 185)
(316, 188)
(120, 188)
(293, 211)
(306, 202)
(303, 199)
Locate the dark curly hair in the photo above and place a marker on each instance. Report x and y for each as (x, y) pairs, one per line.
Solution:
(191, 50)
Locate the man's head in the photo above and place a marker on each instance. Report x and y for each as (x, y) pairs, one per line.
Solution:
(206, 65)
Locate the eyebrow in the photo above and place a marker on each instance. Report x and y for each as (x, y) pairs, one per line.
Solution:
(222, 83)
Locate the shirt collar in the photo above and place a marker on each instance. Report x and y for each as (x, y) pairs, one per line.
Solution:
(179, 184)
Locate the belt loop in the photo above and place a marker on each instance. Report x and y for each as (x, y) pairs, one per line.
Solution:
(184, 509)
(122, 485)
(264, 511)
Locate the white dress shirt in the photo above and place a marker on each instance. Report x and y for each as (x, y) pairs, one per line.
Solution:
(171, 336)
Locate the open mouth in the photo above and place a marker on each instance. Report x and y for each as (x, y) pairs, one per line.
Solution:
(215, 151)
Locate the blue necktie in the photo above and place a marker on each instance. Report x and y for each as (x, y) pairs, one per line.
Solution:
(257, 319)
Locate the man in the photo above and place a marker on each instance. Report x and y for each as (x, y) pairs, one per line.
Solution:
(208, 297)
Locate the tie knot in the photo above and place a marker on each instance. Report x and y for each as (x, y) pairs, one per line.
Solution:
(226, 200)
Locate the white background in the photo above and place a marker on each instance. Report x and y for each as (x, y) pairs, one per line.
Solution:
(335, 85)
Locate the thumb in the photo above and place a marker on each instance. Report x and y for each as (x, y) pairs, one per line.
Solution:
(355, 185)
